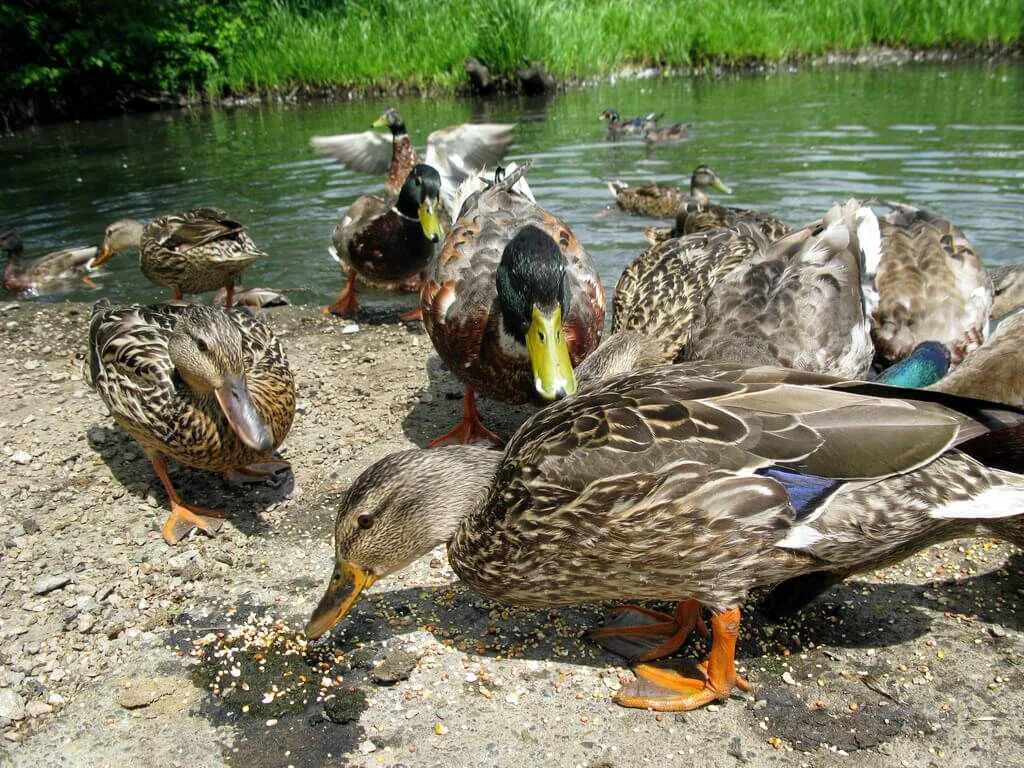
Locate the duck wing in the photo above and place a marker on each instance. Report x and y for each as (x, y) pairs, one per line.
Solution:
(367, 152)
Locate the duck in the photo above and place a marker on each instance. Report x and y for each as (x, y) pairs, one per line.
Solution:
(256, 298)
(632, 126)
(926, 365)
(1007, 290)
(480, 81)
(456, 152)
(534, 79)
(193, 252)
(804, 301)
(208, 387)
(512, 301)
(932, 286)
(664, 201)
(694, 483)
(388, 242)
(667, 134)
(45, 273)
(994, 371)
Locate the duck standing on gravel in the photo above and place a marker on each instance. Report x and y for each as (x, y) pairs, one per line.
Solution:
(205, 386)
(387, 243)
(201, 250)
(45, 273)
(693, 483)
(512, 301)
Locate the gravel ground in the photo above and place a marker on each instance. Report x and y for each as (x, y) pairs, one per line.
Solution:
(117, 649)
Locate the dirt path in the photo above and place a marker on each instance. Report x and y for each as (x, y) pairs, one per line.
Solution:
(116, 649)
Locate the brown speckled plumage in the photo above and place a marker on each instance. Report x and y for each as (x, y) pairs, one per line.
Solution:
(932, 286)
(459, 296)
(801, 301)
(995, 371)
(130, 368)
(1008, 285)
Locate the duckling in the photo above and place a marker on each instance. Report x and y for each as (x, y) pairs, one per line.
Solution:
(193, 252)
(208, 387)
(663, 201)
(388, 242)
(46, 273)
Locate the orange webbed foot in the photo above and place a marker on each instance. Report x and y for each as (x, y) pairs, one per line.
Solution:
(346, 303)
(470, 430)
(272, 472)
(640, 634)
(183, 519)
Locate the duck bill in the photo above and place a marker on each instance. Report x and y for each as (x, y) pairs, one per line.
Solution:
(721, 186)
(549, 355)
(104, 254)
(347, 583)
(380, 122)
(430, 219)
(234, 399)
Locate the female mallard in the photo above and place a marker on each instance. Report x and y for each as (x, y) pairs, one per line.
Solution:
(1008, 290)
(387, 242)
(201, 250)
(932, 286)
(512, 302)
(205, 386)
(802, 302)
(45, 273)
(663, 201)
(694, 483)
(455, 152)
(994, 371)
(667, 134)
(633, 126)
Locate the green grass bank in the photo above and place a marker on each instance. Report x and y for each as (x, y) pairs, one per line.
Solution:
(68, 58)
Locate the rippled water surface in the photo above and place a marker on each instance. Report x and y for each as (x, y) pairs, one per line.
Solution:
(950, 138)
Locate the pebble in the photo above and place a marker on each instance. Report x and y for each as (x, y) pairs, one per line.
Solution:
(366, 747)
(350, 328)
(21, 457)
(50, 583)
(37, 708)
(787, 678)
(394, 667)
(12, 706)
(141, 692)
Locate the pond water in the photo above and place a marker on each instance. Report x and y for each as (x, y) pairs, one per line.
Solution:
(946, 137)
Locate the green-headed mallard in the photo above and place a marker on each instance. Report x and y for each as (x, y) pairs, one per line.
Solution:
(205, 386)
(926, 365)
(932, 286)
(387, 242)
(1008, 290)
(45, 273)
(994, 371)
(631, 126)
(663, 201)
(694, 483)
(455, 152)
(803, 301)
(512, 301)
(193, 252)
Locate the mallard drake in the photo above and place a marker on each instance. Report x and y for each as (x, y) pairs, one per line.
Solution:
(45, 273)
(694, 483)
(803, 301)
(632, 126)
(1008, 290)
(932, 286)
(387, 242)
(994, 371)
(207, 387)
(926, 365)
(667, 134)
(455, 152)
(201, 250)
(663, 201)
(512, 302)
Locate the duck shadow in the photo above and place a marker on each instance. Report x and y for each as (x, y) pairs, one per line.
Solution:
(438, 406)
(132, 469)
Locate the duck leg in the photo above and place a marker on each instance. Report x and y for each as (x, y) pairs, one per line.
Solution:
(412, 315)
(346, 303)
(470, 429)
(229, 294)
(177, 295)
(641, 634)
(183, 518)
(271, 471)
(665, 689)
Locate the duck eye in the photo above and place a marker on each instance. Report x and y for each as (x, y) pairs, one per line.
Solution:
(202, 346)
(365, 520)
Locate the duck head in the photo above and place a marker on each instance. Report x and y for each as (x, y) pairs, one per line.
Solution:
(420, 198)
(10, 242)
(122, 235)
(534, 296)
(206, 349)
(392, 120)
(705, 177)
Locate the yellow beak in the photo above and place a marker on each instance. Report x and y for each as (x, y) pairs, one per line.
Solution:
(380, 122)
(347, 582)
(549, 355)
(721, 186)
(429, 219)
(105, 253)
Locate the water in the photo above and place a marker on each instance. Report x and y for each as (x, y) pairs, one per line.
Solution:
(949, 138)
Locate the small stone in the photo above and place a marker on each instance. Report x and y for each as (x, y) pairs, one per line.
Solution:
(12, 706)
(787, 678)
(394, 667)
(30, 525)
(367, 747)
(141, 692)
(350, 328)
(345, 707)
(21, 457)
(56, 700)
(31, 365)
(996, 631)
(86, 621)
(50, 583)
(37, 708)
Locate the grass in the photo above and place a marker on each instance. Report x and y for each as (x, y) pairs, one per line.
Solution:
(369, 43)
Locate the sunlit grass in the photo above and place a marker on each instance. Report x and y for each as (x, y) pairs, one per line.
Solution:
(423, 43)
